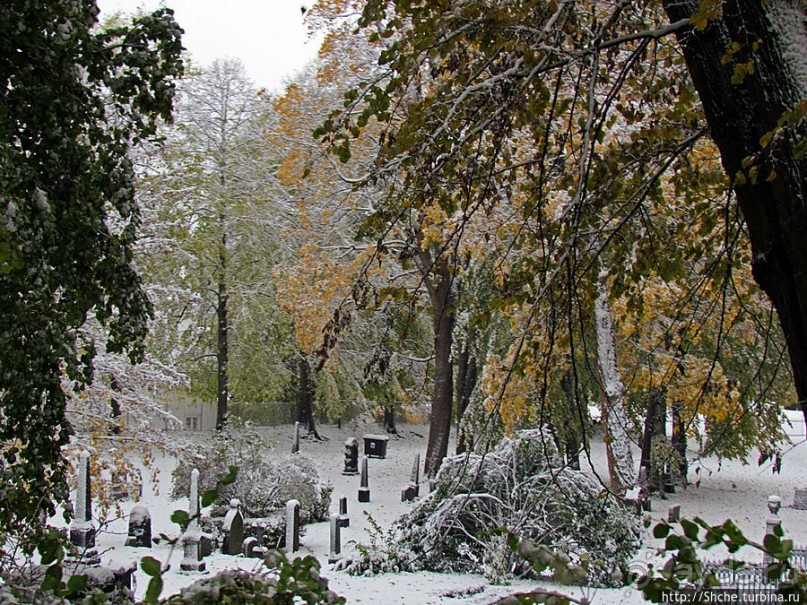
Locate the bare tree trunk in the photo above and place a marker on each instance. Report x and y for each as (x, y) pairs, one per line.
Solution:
(571, 439)
(679, 442)
(654, 426)
(389, 420)
(442, 295)
(620, 457)
(305, 410)
(465, 389)
(769, 172)
(222, 345)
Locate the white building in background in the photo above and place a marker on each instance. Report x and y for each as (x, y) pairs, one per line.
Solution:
(195, 415)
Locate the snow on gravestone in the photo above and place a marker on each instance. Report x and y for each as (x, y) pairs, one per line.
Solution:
(139, 534)
(191, 543)
(233, 529)
(336, 539)
(82, 531)
(292, 526)
(364, 489)
(351, 457)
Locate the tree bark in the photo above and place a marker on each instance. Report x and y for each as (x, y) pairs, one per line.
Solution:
(305, 409)
(771, 191)
(222, 354)
(654, 426)
(679, 441)
(389, 420)
(572, 444)
(441, 292)
(620, 457)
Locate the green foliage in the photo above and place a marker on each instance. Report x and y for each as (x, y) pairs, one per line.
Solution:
(74, 101)
(684, 570)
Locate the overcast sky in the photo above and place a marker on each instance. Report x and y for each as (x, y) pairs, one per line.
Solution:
(269, 36)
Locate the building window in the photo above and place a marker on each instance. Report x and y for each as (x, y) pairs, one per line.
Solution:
(192, 423)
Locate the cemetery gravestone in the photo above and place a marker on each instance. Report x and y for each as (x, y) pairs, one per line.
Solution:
(295, 447)
(351, 457)
(249, 546)
(674, 514)
(336, 539)
(82, 531)
(139, 534)
(191, 542)
(412, 491)
(233, 529)
(344, 520)
(292, 526)
(364, 489)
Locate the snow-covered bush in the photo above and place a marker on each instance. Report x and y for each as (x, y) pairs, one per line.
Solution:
(520, 486)
(262, 485)
(282, 583)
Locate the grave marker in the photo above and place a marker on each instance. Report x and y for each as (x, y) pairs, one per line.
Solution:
(336, 539)
(82, 531)
(139, 534)
(233, 529)
(292, 526)
(191, 542)
(344, 520)
(295, 447)
(351, 457)
(364, 489)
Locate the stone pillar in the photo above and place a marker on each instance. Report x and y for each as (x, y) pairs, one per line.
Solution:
(191, 542)
(139, 534)
(233, 529)
(412, 491)
(344, 520)
(336, 539)
(82, 530)
(295, 447)
(292, 526)
(351, 457)
(364, 489)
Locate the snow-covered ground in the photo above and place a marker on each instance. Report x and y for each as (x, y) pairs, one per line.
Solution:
(727, 490)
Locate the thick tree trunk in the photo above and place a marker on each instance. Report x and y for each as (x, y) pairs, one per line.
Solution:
(572, 443)
(464, 388)
(305, 409)
(773, 183)
(679, 442)
(654, 426)
(620, 457)
(389, 420)
(222, 358)
(442, 295)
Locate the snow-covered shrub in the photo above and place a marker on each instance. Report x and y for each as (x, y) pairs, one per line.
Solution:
(282, 582)
(523, 487)
(262, 485)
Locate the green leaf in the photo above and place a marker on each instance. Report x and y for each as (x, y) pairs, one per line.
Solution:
(690, 529)
(180, 517)
(150, 566)
(154, 590)
(209, 497)
(76, 584)
(661, 531)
